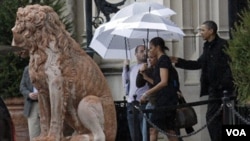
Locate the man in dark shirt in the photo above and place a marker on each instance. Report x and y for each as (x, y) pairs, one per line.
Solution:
(216, 75)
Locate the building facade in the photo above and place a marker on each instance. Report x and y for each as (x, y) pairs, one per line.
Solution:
(190, 14)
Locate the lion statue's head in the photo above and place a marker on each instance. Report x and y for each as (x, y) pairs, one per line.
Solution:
(36, 26)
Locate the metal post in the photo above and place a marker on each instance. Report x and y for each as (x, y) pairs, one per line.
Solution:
(89, 34)
(147, 127)
(232, 119)
(226, 115)
(231, 17)
(135, 115)
(88, 11)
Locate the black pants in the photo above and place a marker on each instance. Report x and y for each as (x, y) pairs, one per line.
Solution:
(215, 126)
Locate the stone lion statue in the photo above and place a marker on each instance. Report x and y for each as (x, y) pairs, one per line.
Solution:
(72, 88)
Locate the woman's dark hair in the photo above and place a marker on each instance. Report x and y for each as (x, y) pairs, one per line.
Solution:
(211, 25)
(158, 41)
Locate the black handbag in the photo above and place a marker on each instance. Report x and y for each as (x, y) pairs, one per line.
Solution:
(185, 116)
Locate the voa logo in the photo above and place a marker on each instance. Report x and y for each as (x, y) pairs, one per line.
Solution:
(236, 132)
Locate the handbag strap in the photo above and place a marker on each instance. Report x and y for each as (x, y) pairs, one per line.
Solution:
(181, 99)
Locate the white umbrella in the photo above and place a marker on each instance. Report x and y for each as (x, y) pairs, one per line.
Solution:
(110, 46)
(147, 26)
(147, 34)
(142, 7)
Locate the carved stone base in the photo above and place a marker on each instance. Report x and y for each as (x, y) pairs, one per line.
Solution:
(15, 107)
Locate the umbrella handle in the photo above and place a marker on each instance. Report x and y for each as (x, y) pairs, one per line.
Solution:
(127, 68)
(126, 48)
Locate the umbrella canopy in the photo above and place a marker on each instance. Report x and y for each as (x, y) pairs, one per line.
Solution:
(147, 34)
(142, 7)
(110, 46)
(147, 26)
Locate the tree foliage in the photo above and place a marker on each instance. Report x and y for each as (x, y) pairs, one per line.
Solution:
(239, 51)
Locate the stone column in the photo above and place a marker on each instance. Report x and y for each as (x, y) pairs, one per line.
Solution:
(220, 15)
(190, 13)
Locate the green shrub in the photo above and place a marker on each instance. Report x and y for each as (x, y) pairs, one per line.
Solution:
(239, 51)
(11, 70)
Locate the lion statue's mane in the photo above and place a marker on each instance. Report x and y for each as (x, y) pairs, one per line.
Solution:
(71, 87)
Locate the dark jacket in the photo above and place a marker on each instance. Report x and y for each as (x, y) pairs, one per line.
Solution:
(26, 87)
(140, 81)
(216, 74)
(173, 78)
(7, 132)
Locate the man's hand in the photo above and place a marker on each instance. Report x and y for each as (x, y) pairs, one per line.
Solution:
(174, 59)
(126, 62)
(143, 67)
(33, 96)
(144, 98)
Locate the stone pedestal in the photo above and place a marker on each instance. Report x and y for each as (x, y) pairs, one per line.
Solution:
(15, 107)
